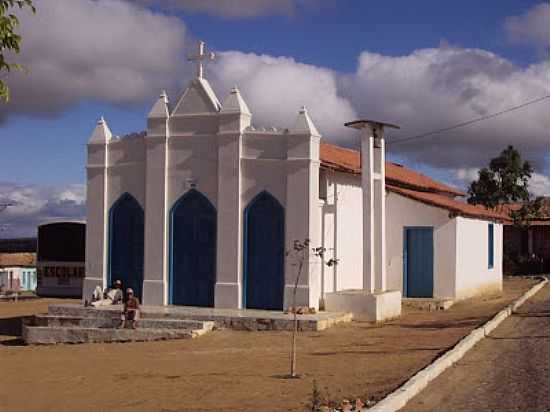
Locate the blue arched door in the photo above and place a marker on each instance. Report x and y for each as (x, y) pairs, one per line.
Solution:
(193, 251)
(264, 222)
(126, 238)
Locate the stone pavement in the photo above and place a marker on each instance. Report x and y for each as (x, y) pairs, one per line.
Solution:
(507, 371)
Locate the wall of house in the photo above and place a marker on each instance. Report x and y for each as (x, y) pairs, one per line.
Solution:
(473, 274)
(18, 278)
(402, 212)
(342, 221)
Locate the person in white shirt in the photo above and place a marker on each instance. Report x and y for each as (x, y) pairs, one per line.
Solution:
(111, 296)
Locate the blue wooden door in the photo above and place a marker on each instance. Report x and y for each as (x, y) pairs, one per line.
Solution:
(193, 251)
(419, 262)
(126, 237)
(264, 253)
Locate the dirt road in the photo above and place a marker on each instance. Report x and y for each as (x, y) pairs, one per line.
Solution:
(508, 371)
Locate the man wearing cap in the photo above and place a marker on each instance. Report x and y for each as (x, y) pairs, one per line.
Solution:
(130, 312)
(111, 296)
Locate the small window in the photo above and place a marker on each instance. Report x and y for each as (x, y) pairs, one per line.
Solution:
(491, 245)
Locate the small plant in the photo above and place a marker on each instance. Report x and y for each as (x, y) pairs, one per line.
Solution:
(299, 253)
(316, 401)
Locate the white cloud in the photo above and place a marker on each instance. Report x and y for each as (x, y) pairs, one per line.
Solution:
(104, 49)
(533, 27)
(435, 88)
(108, 50)
(234, 8)
(539, 185)
(38, 204)
(276, 87)
(465, 176)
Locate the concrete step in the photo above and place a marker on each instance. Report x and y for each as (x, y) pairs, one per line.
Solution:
(114, 321)
(427, 304)
(79, 311)
(239, 319)
(48, 335)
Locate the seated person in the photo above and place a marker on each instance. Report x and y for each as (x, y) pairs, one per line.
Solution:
(98, 294)
(111, 296)
(130, 312)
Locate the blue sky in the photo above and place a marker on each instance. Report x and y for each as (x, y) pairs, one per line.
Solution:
(55, 106)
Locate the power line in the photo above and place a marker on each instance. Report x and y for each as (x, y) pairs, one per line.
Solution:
(469, 122)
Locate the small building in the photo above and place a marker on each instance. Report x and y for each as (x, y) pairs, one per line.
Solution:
(18, 271)
(60, 258)
(201, 209)
(527, 248)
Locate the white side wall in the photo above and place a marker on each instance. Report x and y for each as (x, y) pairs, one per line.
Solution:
(402, 212)
(342, 220)
(473, 273)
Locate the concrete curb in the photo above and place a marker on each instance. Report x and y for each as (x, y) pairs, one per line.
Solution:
(399, 398)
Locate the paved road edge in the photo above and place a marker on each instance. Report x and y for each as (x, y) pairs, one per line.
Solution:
(399, 398)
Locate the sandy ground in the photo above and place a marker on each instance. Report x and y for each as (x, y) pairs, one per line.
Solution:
(229, 370)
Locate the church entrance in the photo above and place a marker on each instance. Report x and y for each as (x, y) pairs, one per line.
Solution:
(126, 238)
(193, 251)
(264, 240)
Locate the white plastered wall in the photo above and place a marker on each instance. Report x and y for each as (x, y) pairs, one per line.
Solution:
(473, 275)
(126, 171)
(402, 212)
(342, 222)
(286, 166)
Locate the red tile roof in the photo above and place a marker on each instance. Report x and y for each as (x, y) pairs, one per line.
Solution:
(408, 183)
(446, 202)
(543, 220)
(17, 259)
(349, 161)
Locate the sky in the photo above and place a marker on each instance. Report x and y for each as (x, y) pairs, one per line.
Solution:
(424, 65)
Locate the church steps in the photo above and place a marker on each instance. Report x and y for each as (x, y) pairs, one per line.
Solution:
(114, 321)
(53, 334)
(238, 319)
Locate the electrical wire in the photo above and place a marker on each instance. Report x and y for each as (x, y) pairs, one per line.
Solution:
(467, 123)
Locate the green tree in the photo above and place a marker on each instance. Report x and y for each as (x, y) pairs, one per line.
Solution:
(506, 180)
(10, 41)
(531, 210)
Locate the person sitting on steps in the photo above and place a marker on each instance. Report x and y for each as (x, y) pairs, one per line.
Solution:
(130, 312)
(111, 296)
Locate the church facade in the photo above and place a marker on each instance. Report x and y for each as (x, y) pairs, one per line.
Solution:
(201, 209)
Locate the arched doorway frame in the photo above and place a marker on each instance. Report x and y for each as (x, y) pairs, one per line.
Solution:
(212, 209)
(128, 199)
(264, 194)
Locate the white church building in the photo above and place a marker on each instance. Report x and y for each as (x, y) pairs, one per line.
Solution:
(201, 209)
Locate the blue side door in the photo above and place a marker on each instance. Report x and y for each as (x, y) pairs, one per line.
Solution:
(418, 259)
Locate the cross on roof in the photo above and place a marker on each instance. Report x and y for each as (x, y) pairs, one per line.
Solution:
(200, 56)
